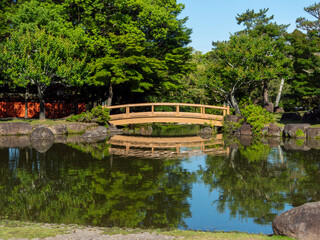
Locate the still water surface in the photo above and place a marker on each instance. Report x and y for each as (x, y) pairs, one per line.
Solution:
(188, 183)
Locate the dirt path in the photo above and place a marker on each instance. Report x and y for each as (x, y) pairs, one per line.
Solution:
(96, 234)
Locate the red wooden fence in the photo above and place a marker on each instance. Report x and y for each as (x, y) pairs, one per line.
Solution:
(53, 110)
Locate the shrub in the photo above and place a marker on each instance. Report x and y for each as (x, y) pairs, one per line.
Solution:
(231, 127)
(98, 114)
(101, 114)
(82, 117)
(257, 117)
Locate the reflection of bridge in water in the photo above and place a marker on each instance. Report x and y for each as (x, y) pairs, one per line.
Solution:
(168, 147)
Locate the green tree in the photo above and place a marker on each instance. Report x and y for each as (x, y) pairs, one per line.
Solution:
(143, 46)
(41, 59)
(258, 24)
(305, 52)
(309, 25)
(241, 62)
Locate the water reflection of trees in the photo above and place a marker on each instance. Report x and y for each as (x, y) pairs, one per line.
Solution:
(257, 182)
(65, 185)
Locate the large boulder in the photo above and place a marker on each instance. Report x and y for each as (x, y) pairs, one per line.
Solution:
(296, 130)
(96, 133)
(78, 127)
(274, 131)
(59, 129)
(16, 128)
(313, 133)
(42, 133)
(302, 222)
(312, 117)
(290, 117)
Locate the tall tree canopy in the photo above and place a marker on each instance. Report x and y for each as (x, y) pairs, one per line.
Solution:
(40, 59)
(129, 45)
(305, 52)
(243, 61)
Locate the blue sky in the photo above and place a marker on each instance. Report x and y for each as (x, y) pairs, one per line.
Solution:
(214, 20)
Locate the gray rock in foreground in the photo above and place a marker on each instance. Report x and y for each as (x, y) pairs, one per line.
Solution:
(301, 222)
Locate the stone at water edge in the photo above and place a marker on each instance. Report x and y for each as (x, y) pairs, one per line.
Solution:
(313, 133)
(301, 222)
(96, 132)
(42, 133)
(15, 128)
(274, 131)
(292, 130)
(59, 129)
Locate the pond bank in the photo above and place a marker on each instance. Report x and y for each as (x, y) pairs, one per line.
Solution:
(21, 230)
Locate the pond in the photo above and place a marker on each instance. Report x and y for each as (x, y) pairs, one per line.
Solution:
(222, 184)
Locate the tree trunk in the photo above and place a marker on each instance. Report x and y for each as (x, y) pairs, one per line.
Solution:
(42, 113)
(265, 93)
(110, 96)
(266, 103)
(279, 93)
(235, 105)
(26, 103)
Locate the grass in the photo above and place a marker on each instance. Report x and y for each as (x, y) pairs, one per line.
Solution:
(35, 121)
(15, 229)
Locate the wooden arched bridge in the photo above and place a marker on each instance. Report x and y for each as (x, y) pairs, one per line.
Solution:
(167, 112)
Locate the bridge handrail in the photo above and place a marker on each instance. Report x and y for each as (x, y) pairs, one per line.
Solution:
(225, 108)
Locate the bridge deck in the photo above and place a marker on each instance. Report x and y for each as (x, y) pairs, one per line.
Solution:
(176, 116)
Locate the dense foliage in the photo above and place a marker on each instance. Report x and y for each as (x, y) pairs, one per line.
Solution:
(126, 51)
(98, 114)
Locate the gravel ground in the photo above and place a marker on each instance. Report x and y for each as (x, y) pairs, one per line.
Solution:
(96, 234)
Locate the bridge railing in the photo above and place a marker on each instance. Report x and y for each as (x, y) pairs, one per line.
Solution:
(226, 109)
(199, 111)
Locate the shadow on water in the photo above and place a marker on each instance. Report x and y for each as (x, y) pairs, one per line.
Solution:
(130, 181)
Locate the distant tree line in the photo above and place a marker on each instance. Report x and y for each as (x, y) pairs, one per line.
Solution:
(122, 51)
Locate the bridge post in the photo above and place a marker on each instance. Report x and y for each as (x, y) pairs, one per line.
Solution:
(177, 110)
(224, 110)
(203, 111)
(127, 110)
(152, 110)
